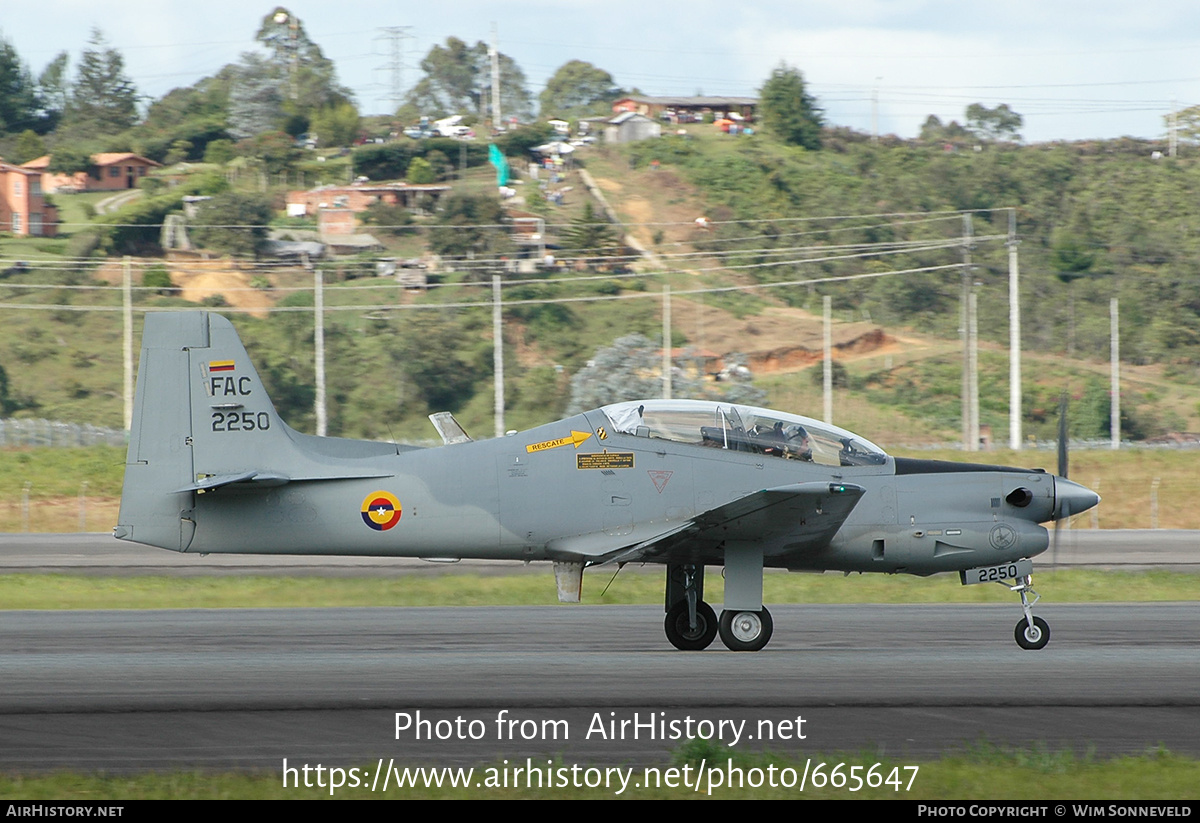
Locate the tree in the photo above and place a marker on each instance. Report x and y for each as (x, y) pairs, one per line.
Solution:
(29, 146)
(1072, 260)
(196, 114)
(255, 100)
(1186, 123)
(18, 92)
(588, 235)
(788, 110)
(307, 75)
(458, 80)
(934, 131)
(420, 171)
(337, 125)
(1000, 123)
(69, 159)
(103, 99)
(276, 150)
(233, 222)
(578, 89)
(471, 223)
(631, 368)
(54, 91)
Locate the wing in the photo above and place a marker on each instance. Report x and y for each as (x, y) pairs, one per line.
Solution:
(786, 519)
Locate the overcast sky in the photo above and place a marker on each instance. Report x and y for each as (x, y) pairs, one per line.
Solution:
(1073, 69)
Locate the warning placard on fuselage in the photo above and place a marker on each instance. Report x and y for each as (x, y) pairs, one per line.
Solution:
(604, 460)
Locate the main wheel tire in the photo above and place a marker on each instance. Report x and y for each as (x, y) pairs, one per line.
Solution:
(1032, 638)
(746, 631)
(679, 629)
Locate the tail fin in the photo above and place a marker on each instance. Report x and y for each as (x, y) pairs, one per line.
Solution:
(202, 420)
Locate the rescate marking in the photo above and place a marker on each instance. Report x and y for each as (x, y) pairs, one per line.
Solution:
(381, 510)
(574, 440)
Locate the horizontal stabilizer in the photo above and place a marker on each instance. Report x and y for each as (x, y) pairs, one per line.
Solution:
(216, 481)
(270, 480)
(449, 428)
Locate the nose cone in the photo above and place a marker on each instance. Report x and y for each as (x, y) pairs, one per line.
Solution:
(1071, 498)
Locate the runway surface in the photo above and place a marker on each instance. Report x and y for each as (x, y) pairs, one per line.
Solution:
(93, 553)
(233, 688)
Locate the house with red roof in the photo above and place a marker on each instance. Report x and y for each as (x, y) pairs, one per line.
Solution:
(111, 171)
(23, 207)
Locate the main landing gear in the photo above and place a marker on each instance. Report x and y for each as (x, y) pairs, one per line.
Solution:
(688, 633)
(1031, 632)
(746, 631)
(692, 625)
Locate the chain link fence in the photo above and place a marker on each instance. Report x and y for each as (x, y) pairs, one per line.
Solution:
(17, 432)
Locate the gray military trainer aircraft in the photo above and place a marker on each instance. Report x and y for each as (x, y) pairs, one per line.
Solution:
(687, 484)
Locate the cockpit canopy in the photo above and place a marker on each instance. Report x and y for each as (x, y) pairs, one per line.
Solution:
(744, 428)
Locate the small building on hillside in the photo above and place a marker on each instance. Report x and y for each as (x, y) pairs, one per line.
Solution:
(630, 126)
(23, 207)
(111, 171)
(357, 197)
(688, 109)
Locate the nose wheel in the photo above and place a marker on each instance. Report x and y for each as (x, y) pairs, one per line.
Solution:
(1033, 636)
(1031, 632)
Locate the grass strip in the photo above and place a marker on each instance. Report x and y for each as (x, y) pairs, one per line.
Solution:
(982, 773)
(62, 591)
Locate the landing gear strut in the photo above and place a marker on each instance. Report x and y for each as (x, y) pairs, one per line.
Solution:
(686, 636)
(1031, 632)
(691, 624)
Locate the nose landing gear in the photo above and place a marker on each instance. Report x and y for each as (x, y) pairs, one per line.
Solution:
(1031, 632)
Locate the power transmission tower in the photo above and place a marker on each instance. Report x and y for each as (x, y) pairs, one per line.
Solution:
(395, 65)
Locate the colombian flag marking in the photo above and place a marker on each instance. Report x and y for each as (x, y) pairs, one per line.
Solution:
(381, 511)
(220, 365)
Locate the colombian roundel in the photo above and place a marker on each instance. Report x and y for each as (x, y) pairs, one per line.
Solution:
(381, 511)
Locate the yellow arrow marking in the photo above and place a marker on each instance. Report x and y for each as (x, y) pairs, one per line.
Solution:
(574, 440)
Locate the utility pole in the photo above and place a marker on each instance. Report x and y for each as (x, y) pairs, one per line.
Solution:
(965, 315)
(498, 355)
(495, 55)
(973, 352)
(127, 314)
(875, 112)
(293, 47)
(1014, 337)
(1114, 345)
(294, 66)
(827, 382)
(666, 346)
(1173, 139)
(319, 346)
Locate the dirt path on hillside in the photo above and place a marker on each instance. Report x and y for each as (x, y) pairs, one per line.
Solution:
(234, 286)
(663, 202)
(778, 339)
(198, 279)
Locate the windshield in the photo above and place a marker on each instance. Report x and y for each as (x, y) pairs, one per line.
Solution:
(744, 428)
